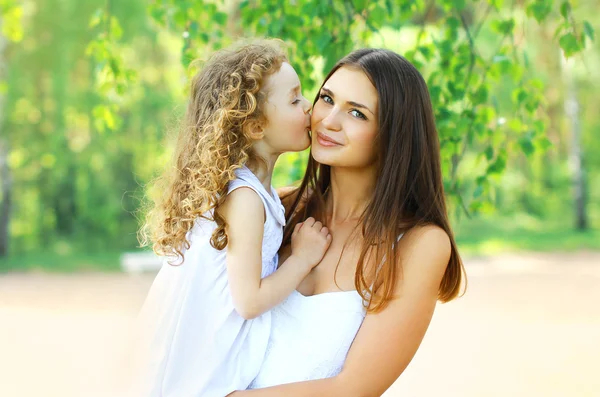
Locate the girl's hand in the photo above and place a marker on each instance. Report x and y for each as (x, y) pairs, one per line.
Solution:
(310, 241)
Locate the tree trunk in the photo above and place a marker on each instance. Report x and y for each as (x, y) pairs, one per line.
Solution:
(234, 18)
(576, 153)
(6, 198)
(5, 177)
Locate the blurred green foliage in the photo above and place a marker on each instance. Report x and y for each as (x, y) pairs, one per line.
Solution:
(93, 91)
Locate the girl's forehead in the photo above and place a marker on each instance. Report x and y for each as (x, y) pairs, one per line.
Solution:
(284, 79)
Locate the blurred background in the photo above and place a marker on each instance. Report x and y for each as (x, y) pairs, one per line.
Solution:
(91, 94)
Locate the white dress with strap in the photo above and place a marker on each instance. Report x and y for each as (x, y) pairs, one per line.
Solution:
(310, 337)
(196, 344)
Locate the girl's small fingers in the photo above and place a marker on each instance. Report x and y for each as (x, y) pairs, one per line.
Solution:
(324, 231)
(309, 221)
(318, 225)
(297, 227)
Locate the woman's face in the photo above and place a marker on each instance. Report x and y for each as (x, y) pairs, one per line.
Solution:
(344, 120)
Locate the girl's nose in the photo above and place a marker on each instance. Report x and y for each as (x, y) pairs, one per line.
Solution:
(306, 105)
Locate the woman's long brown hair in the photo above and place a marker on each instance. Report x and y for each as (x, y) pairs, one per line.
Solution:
(409, 191)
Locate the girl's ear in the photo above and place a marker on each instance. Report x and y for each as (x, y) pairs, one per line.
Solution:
(255, 130)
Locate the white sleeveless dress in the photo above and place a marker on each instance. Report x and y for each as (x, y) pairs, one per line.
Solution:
(196, 344)
(310, 337)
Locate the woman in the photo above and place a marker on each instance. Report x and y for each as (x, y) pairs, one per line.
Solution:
(375, 180)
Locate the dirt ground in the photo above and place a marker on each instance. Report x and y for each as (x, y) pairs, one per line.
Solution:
(529, 325)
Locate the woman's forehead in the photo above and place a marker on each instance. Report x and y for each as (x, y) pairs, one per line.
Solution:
(352, 85)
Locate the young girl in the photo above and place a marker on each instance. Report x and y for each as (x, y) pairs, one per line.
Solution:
(206, 320)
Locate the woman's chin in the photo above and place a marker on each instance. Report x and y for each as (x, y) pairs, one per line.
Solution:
(321, 156)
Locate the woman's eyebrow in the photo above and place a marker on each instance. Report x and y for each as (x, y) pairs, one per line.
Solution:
(359, 105)
(351, 103)
(327, 91)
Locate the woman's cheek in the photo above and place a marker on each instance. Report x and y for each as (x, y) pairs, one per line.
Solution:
(364, 145)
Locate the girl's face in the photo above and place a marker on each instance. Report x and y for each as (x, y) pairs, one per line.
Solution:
(286, 111)
(344, 120)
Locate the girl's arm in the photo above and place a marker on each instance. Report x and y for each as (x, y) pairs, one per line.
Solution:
(386, 341)
(244, 214)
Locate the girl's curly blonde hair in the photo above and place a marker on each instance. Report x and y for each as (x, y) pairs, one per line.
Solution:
(226, 106)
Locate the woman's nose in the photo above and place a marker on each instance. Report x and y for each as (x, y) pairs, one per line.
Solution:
(331, 121)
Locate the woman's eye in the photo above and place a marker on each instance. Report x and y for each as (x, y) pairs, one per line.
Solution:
(358, 114)
(327, 98)
(297, 101)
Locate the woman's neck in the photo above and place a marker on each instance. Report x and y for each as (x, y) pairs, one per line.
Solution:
(351, 190)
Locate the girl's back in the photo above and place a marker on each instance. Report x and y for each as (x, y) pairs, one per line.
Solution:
(194, 332)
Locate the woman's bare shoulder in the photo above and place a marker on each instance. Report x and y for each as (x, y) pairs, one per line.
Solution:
(430, 243)
(286, 190)
(287, 195)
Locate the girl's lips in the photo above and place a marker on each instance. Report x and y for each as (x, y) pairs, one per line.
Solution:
(324, 140)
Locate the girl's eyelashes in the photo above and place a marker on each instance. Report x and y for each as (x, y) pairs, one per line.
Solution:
(296, 101)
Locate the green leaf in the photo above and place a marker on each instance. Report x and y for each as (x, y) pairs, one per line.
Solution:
(157, 12)
(520, 96)
(497, 4)
(543, 143)
(515, 125)
(322, 42)
(478, 191)
(220, 18)
(96, 18)
(359, 5)
(568, 42)
(453, 23)
(425, 51)
(377, 16)
(504, 27)
(116, 32)
(499, 165)
(459, 4)
(180, 17)
(539, 9)
(114, 66)
(588, 29)
(565, 8)
(526, 146)
(480, 96)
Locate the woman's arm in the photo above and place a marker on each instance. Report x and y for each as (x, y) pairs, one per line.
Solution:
(386, 341)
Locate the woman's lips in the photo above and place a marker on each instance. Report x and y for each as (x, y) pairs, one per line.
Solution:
(324, 140)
